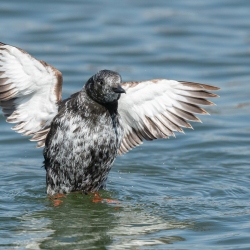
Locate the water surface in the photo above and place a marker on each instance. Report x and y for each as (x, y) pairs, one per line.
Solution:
(189, 192)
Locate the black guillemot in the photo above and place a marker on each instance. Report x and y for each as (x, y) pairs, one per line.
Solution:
(83, 134)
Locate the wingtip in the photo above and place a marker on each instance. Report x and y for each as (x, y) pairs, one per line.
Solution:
(198, 119)
(210, 103)
(210, 87)
(189, 125)
(216, 88)
(213, 95)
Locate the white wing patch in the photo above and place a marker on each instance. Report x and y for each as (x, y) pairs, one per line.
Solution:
(29, 92)
(157, 108)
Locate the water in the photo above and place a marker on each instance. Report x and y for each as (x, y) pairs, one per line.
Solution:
(191, 192)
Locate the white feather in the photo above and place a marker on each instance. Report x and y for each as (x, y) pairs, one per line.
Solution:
(37, 88)
(159, 107)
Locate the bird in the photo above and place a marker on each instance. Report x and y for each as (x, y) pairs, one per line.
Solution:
(83, 134)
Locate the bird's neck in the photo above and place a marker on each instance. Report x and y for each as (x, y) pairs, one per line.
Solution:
(110, 106)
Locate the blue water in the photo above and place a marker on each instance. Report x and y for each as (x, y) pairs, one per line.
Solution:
(189, 192)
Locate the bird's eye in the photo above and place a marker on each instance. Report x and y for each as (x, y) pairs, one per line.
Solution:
(101, 82)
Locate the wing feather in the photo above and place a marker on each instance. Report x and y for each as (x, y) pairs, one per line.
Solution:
(30, 91)
(158, 108)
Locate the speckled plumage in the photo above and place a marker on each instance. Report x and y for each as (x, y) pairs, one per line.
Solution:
(83, 134)
(82, 144)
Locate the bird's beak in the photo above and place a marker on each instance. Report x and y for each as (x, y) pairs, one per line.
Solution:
(119, 89)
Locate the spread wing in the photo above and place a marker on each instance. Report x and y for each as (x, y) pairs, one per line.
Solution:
(29, 92)
(157, 108)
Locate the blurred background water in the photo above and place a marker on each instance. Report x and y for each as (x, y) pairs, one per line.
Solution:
(191, 192)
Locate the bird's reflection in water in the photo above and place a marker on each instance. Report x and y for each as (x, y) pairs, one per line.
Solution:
(78, 222)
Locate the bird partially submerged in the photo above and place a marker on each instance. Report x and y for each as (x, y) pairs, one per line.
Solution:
(83, 134)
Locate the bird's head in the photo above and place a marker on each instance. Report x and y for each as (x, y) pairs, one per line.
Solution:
(105, 86)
